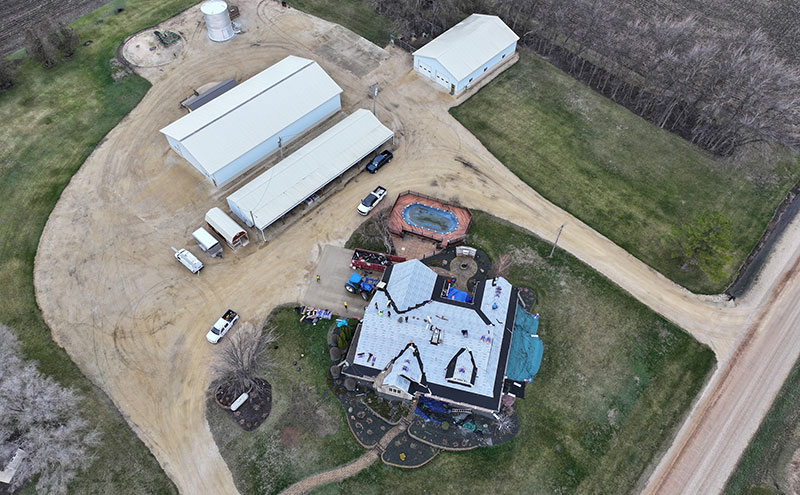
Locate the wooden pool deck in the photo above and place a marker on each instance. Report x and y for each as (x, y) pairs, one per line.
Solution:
(397, 225)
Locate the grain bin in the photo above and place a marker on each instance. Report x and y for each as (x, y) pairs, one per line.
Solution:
(217, 19)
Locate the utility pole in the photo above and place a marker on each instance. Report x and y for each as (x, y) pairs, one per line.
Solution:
(556, 242)
(374, 97)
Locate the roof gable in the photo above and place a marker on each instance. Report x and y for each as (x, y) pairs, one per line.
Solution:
(411, 283)
(463, 48)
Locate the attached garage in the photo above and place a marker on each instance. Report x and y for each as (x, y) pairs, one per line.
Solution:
(233, 132)
(463, 54)
(277, 191)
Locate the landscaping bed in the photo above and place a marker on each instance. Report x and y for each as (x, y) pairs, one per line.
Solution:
(468, 432)
(255, 409)
(408, 453)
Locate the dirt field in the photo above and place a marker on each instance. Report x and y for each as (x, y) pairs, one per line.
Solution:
(17, 15)
(134, 320)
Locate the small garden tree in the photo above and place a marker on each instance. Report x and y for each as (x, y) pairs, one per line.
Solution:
(243, 360)
(705, 242)
(42, 418)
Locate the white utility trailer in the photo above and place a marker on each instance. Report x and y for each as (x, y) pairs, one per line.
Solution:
(207, 242)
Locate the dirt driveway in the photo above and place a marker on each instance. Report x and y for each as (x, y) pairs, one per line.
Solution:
(134, 320)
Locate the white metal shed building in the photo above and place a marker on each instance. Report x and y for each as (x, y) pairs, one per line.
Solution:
(230, 134)
(460, 56)
(227, 228)
(277, 191)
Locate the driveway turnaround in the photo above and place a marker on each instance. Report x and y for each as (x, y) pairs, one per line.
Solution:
(134, 319)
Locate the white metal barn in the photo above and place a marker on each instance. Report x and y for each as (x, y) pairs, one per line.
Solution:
(460, 56)
(274, 193)
(234, 131)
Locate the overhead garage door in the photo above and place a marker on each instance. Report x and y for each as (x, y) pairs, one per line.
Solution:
(443, 79)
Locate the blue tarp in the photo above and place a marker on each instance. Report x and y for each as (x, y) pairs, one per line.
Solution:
(458, 295)
(525, 355)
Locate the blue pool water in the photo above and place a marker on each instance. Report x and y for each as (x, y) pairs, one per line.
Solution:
(430, 218)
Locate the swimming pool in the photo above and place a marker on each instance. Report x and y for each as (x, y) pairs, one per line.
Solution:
(430, 218)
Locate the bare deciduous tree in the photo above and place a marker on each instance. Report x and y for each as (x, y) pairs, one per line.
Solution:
(38, 46)
(65, 39)
(42, 418)
(244, 357)
(503, 265)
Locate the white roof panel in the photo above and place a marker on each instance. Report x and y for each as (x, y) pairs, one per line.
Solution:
(272, 194)
(463, 48)
(244, 117)
(411, 284)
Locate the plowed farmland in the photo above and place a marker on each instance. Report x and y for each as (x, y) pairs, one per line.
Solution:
(17, 15)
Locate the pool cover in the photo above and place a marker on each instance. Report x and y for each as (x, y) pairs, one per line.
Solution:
(430, 218)
(525, 356)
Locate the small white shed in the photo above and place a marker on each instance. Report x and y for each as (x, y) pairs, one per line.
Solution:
(462, 55)
(227, 228)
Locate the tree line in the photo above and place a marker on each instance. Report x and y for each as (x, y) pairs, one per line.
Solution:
(720, 89)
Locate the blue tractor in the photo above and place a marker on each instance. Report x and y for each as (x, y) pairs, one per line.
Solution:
(360, 285)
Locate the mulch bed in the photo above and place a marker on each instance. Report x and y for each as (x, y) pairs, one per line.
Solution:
(256, 408)
(405, 452)
(367, 427)
(488, 431)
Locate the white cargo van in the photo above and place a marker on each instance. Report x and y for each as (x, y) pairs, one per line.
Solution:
(207, 242)
(188, 260)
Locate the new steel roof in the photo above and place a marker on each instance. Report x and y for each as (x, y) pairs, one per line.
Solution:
(237, 121)
(465, 47)
(272, 194)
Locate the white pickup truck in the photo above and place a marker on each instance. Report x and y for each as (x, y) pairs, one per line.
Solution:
(371, 201)
(222, 326)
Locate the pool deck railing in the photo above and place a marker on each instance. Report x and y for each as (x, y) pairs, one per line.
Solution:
(397, 224)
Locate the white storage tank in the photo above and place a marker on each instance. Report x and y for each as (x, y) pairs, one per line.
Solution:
(218, 21)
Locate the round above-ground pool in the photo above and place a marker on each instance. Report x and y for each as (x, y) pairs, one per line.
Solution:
(430, 218)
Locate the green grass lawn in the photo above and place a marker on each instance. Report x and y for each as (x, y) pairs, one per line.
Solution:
(615, 383)
(618, 173)
(355, 15)
(306, 431)
(52, 120)
(764, 465)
